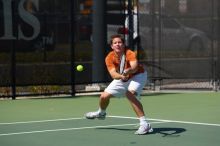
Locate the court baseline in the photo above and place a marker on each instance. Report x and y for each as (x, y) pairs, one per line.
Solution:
(92, 127)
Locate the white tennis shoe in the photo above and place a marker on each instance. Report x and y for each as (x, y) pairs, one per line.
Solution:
(144, 129)
(93, 115)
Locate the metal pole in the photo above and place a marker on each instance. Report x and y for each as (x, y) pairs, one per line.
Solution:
(72, 14)
(13, 70)
(138, 41)
(218, 48)
(130, 24)
(153, 39)
(160, 42)
(212, 58)
(13, 51)
(99, 41)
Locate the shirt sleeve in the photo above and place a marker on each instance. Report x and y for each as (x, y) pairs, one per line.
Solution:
(131, 56)
(109, 62)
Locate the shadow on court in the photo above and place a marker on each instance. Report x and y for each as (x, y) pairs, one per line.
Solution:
(175, 132)
(165, 132)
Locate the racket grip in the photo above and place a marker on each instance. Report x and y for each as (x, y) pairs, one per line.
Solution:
(124, 72)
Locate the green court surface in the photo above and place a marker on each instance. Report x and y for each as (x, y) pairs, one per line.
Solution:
(178, 119)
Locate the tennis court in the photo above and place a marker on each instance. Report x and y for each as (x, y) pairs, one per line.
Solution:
(178, 119)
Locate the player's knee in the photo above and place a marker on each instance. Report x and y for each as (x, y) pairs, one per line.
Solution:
(104, 96)
(132, 92)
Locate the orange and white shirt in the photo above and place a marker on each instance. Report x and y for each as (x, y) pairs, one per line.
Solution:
(113, 61)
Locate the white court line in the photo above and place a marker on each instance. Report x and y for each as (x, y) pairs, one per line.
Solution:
(92, 127)
(123, 117)
(173, 121)
(68, 129)
(42, 121)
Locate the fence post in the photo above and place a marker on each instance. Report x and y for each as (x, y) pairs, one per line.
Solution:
(72, 35)
(130, 24)
(218, 49)
(13, 51)
(98, 41)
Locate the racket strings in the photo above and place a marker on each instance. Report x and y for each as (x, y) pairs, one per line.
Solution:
(122, 63)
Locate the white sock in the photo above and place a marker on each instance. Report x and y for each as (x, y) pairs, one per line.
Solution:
(143, 120)
(101, 111)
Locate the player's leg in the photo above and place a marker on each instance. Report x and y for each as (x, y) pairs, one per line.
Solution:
(135, 103)
(145, 126)
(116, 87)
(104, 100)
(134, 89)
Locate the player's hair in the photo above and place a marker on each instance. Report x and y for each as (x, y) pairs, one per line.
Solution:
(116, 36)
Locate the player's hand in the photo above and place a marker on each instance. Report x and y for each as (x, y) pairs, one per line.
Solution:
(127, 71)
(124, 78)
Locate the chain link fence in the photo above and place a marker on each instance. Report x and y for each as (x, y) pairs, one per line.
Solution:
(41, 43)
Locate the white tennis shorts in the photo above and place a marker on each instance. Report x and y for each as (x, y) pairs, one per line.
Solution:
(119, 88)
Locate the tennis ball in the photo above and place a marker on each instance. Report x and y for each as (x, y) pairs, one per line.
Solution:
(79, 68)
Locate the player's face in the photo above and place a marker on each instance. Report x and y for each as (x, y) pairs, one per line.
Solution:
(117, 45)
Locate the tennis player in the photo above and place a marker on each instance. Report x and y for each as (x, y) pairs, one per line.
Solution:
(129, 78)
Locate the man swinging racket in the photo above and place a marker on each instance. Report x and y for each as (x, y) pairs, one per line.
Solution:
(129, 78)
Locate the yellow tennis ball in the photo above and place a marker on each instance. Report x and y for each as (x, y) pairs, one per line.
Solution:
(79, 68)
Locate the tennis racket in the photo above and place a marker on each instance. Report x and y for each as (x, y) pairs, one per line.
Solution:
(122, 64)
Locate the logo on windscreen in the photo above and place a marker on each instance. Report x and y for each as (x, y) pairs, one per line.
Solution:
(11, 12)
